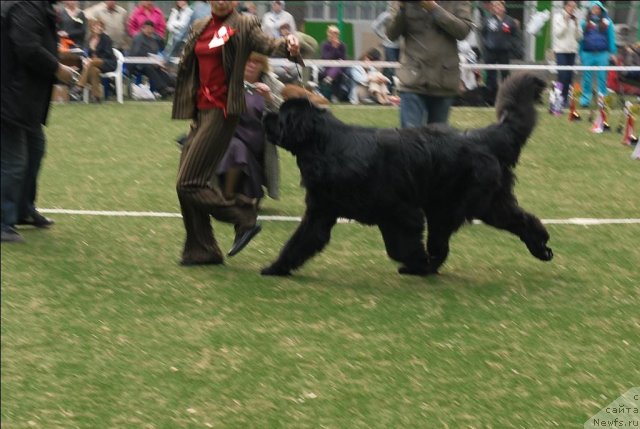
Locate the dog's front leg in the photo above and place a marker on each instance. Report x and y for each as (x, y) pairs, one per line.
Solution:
(310, 238)
(508, 215)
(439, 234)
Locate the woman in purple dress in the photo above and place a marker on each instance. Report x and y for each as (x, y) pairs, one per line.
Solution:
(250, 162)
(333, 49)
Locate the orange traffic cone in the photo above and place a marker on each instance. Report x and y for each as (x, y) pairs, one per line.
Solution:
(628, 138)
(600, 123)
(573, 111)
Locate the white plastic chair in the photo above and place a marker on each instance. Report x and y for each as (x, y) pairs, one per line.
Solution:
(116, 75)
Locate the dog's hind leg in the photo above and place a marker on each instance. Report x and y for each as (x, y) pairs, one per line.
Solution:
(508, 215)
(312, 235)
(404, 243)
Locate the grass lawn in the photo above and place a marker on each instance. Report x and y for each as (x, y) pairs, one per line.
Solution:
(102, 329)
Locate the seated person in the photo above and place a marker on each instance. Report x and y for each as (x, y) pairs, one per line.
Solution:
(100, 59)
(250, 162)
(147, 42)
(333, 78)
(370, 84)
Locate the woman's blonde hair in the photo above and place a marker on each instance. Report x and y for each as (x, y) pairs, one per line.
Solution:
(262, 59)
(333, 29)
(96, 21)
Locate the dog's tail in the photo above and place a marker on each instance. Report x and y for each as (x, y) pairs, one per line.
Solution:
(516, 114)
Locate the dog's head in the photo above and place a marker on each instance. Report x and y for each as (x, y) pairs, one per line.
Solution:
(293, 127)
(520, 87)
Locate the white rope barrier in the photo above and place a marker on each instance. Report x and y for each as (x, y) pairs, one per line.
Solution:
(395, 65)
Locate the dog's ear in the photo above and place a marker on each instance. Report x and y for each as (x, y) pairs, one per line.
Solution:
(296, 124)
(271, 125)
(539, 85)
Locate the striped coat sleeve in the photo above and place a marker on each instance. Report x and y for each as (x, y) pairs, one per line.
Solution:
(187, 81)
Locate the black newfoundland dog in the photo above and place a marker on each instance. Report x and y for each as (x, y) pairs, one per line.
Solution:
(395, 178)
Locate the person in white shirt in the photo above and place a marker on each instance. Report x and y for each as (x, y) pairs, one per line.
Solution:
(177, 26)
(272, 21)
(391, 47)
(567, 33)
(370, 84)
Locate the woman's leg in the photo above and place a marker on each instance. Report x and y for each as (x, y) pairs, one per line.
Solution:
(565, 76)
(94, 77)
(587, 60)
(231, 181)
(602, 59)
(84, 78)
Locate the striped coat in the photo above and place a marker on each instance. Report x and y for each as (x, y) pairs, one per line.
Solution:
(248, 37)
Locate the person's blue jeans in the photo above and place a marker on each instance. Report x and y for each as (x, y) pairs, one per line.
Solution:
(13, 166)
(593, 59)
(565, 77)
(417, 110)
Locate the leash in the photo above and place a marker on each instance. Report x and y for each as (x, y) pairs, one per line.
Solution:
(299, 61)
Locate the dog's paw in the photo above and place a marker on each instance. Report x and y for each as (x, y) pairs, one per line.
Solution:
(416, 271)
(541, 251)
(547, 254)
(273, 270)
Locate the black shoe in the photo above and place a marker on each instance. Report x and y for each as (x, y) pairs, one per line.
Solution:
(76, 93)
(243, 238)
(10, 235)
(167, 92)
(37, 220)
(182, 140)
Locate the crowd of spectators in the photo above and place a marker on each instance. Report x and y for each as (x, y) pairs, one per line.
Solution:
(495, 35)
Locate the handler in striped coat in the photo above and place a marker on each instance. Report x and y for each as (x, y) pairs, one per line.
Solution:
(209, 91)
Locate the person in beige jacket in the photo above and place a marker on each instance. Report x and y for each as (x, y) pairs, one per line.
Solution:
(567, 34)
(210, 92)
(430, 72)
(115, 22)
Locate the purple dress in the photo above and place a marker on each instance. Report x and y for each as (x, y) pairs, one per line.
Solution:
(329, 52)
(246, 149)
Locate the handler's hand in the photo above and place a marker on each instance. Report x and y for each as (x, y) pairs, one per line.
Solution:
(429, 5)
(262, 88)
(293, 45)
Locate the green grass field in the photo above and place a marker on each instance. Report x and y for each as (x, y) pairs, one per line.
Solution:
(102, 329)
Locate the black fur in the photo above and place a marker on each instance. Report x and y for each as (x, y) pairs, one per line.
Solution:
(393, 178)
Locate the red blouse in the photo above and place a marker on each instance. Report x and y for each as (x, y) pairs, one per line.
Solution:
(212, 93)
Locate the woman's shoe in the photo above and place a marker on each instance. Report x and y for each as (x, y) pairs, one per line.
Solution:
(75, 93)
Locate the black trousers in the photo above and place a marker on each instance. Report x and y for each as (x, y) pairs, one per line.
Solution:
(160, 79)
(495, 57)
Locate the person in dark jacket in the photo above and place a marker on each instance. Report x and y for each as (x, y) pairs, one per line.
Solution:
(73, 23)
(148, 42)
(500, 35)
(101, 59)
(72, 26)
(29, 69)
